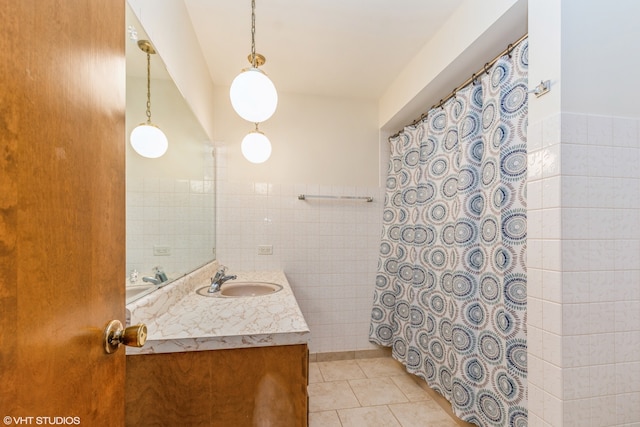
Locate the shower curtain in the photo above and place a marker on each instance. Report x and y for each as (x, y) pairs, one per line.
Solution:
(450, 294)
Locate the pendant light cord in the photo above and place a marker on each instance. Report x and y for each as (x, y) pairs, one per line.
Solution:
(148, 88)
(253, 34)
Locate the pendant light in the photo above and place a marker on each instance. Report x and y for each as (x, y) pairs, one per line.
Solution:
(147, 139)
(256, 147)
(253, 95)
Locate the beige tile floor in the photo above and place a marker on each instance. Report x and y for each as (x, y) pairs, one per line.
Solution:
(376, 392)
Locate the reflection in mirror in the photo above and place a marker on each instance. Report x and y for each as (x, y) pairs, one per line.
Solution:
(170, 200)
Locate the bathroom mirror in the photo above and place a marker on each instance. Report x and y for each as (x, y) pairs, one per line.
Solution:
(170, 201)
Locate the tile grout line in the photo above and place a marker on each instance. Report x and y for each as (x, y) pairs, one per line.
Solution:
(354, 393)
(385, 405)
(393, 414)
(386, 376)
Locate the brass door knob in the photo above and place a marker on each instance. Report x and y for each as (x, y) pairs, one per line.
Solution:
(115, 335)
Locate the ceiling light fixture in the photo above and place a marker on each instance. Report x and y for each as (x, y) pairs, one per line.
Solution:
(147, 139)
(253, 95)
(256, 147)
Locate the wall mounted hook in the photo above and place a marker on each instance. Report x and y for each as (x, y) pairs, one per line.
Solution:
(542, 88)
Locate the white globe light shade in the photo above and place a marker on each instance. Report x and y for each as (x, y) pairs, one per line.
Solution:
(253, 95)
(149, 141)
(256, 147)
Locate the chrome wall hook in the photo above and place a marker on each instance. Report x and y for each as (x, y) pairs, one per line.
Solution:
(542, 88)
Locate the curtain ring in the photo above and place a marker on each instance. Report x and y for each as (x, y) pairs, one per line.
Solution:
(485, 68)
(474, 80)
(510, 49)
(418, 120)
(440, 105)
(455, 92)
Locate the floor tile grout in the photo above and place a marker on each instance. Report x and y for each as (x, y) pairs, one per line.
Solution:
(384, 369)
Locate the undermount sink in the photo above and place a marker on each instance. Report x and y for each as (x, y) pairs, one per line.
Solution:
(137, 291)
(242, 289)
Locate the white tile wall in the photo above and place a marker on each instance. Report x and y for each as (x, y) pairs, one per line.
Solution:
(327, 248)
(584, 271)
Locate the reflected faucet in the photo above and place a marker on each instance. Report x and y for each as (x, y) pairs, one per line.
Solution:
(219, 279)
(160, 277)
(150, 279)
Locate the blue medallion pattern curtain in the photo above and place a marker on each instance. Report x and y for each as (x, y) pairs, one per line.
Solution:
(450, 295)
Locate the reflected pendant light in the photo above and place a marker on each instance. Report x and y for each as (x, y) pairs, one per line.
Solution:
(253, 95)
(147, 139)
(256, 147)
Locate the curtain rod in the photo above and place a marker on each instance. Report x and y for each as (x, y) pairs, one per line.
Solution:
(470, 80)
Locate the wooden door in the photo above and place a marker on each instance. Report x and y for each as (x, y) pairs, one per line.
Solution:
(62, 213)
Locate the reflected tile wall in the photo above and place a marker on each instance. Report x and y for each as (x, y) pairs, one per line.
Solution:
(584, 270)
(173, 212)
(327, 248)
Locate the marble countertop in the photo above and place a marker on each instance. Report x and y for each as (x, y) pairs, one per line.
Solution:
(178, 319)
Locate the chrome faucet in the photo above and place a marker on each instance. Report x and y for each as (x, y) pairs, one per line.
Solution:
(160, 277)
(150, 279)
(219, 278)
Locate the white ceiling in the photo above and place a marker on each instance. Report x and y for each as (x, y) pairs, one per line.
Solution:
(350, 48)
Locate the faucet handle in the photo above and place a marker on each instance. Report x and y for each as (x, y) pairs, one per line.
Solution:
(133, 276)
(160, 274)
